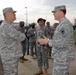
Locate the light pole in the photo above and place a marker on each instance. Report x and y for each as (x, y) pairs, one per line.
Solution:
(26, 16)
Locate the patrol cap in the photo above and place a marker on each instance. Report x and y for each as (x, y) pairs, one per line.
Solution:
(41, 19)
(62, 7)
(33, 24)
(21, 22)
(8, 9)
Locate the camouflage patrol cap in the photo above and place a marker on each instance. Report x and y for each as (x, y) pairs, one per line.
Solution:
(62, 7)
(8, 9)
(33, 24)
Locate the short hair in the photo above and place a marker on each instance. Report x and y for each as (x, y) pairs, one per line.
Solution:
(47, 22)
(64, 11)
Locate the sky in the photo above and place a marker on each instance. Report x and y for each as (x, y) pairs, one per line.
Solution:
(38, 9)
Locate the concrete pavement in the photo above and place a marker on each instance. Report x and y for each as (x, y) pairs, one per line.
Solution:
(30, 67)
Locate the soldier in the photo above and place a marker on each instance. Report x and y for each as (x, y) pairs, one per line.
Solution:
(63, 42)
(10, 47)
(42, 50)
(27, 39)
(55, 26)
(21, 28)
(50, 35)
(32, 39)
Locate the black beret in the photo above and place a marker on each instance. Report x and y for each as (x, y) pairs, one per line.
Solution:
(41, 19)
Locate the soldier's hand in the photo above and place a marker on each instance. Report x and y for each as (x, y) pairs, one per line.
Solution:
(45, 47)
(43, 40)
(32, 34)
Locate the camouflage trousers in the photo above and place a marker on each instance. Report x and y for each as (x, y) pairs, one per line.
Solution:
(33, 48)
(23, 48)
(10, 65)
(42, 57)
(60, 67)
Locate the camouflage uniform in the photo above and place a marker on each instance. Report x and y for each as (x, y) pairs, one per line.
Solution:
(23, 43)
(50, 35)
(49, 32)
(63, 47)
(32, 39)
(42, 54)
(10, 47)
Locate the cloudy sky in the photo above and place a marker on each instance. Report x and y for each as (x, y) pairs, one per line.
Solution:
(38, 8)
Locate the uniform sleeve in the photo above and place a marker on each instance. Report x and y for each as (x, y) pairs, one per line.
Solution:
(62, 39)
(16, 35)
